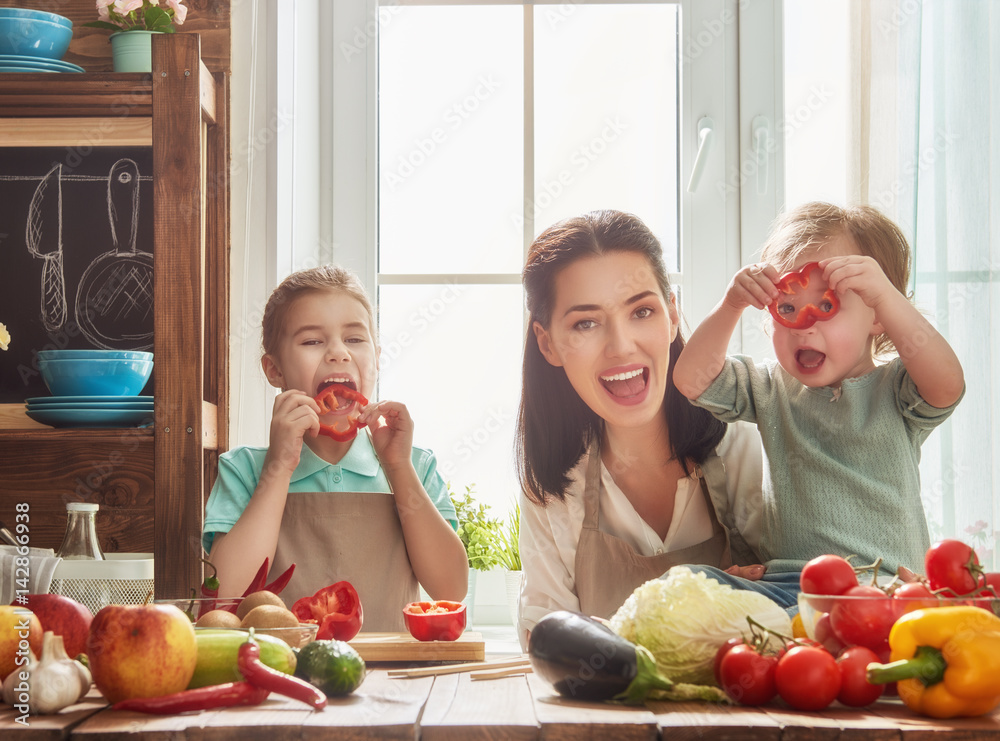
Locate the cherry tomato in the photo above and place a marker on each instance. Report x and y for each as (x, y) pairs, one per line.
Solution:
(865, 618)
(989, 580)
(951, 564)
(723, 650)
(827, 575)
(855, 690)
(825, 635)
(914, 595)
(807, 678)
(746, 676)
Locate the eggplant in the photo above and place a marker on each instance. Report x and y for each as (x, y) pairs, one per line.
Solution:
(585, 660)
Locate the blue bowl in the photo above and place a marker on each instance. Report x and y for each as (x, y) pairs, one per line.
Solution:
(40, 15)
(94, 355)
(95, 377)
(31, 37)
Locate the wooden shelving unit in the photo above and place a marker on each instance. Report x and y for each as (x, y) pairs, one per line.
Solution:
(151, 482)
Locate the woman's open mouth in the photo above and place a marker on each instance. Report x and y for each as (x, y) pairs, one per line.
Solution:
(809, 360)
(627, 386)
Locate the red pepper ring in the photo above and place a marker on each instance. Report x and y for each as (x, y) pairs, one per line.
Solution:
(809, 314)
(324, 399)
(435, 621)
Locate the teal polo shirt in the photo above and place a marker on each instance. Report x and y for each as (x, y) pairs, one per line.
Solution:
(359, 470)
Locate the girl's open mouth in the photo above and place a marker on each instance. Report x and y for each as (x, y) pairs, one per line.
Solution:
(627, 386)
(809, 360)
(343, 403)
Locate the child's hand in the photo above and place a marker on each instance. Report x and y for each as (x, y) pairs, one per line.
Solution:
(859, 274)
(754, 285)
(391, 427)
(295, 413)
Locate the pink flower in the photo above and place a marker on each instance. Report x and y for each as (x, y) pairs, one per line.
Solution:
(102, 10)
(180, 11)
(125, 7)
(976, 528)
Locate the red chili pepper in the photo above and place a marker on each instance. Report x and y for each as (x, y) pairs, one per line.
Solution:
(337, 609)
(257, 583)
(209, 588)
(204, 698)
(261, 675)
(325, 399)
(435, 621)
(281, 582)
(809, 314)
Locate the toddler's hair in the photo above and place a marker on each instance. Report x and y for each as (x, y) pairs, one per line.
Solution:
(322, 278)
(812, 224)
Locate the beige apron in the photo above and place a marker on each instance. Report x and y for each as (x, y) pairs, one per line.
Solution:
(608, 569)
(347, 536)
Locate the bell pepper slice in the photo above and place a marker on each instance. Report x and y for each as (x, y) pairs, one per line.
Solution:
(435, 621)
(793, 282)
(337, 610)
(325, 399)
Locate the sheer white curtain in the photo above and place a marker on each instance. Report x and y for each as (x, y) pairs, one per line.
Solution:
(926, 151)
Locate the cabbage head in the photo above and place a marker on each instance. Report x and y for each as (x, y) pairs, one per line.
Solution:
(683, 618)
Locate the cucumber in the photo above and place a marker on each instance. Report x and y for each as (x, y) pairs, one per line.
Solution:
(218, 650)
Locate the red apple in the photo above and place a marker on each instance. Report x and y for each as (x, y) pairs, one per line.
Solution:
(65, 617)
(20, 631)
(141, 651)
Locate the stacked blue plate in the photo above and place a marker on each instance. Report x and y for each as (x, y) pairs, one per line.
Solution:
(91, 411)
(19, 63)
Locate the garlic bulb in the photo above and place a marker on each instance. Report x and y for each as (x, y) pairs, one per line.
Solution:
(48, 684)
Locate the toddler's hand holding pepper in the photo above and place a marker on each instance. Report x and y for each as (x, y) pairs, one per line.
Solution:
(754, 285)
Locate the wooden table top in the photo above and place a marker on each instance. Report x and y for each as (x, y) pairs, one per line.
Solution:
(455, 707)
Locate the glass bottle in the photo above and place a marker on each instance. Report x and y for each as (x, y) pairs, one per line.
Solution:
(80, 541)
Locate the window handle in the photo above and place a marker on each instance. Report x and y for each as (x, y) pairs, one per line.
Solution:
(705, 126)
(761, 131)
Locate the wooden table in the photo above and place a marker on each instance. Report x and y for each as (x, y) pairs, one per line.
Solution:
(456, 707)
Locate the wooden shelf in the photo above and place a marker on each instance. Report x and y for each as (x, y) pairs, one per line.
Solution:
(152, 482)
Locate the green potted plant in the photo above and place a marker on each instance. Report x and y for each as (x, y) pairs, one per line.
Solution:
(132, 22)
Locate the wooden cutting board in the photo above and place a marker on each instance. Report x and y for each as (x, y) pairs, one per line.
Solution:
(404, 647)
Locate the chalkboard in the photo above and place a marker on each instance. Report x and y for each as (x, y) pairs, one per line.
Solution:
(76, 243)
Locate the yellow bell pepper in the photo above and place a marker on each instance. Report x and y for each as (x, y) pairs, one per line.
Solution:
(945, 661)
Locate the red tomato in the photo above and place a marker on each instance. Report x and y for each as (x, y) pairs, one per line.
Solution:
(807, 678)
(825, 635)
(723, 650)
(914, 595)
(746, 676)
(855, 690)
(988, 581)
(827, 575)
(864, 620)
(951, 564)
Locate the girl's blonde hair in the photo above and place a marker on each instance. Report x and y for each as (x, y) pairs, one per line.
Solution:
(811, 225)
(322, 278)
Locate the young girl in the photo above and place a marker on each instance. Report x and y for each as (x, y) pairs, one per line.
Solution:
(622, 478)
(364, 510)
(841, 433)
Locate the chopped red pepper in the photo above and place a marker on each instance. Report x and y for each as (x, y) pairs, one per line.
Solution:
(435, 621)
(809, 314)
(325, 399)
(337, 609)
(261, 675)
(203, 698)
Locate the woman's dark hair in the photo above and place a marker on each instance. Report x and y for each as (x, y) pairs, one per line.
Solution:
(554, 425)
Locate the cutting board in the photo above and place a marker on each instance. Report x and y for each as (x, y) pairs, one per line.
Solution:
(404, 647)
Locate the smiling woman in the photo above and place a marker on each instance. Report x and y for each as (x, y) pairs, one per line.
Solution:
(622, 477)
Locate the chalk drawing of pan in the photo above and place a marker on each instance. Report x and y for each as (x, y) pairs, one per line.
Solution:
(43, 235)
(115, 295)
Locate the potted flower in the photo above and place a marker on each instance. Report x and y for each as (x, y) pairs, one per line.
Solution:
(133, 23)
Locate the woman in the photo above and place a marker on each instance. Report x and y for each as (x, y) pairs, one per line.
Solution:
(622, 477)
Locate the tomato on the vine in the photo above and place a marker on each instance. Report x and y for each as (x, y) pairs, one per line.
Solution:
(914, 595)
(723, 650)
(807, 678)
(855, 690)
(865, 618)
(747, 676)
(991, 580)
(825, 635)
(827, 574)
(951, 564)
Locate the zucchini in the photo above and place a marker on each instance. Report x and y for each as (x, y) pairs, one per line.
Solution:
(218, 650)
(585, 660)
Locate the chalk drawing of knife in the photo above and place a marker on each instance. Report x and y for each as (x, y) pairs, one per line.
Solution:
(43, 236)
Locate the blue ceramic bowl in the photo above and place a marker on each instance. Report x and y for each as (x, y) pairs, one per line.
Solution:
(94, 354)
(32, 37)
(95, 377)
(40, 15)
